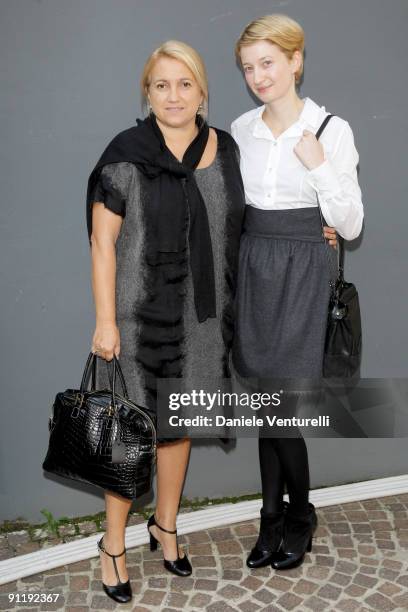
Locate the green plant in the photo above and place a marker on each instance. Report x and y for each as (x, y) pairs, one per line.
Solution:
(52, 523)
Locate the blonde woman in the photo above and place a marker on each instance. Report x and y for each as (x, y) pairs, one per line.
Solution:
(164, 213)
(283, 281)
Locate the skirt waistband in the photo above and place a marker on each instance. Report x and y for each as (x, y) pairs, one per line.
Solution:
(290, 224)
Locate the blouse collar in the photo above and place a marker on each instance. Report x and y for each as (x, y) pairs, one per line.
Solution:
(308, 119)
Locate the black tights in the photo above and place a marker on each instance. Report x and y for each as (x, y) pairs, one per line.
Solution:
(284, 461)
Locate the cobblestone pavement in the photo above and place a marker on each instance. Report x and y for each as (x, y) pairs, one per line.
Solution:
(359, 562)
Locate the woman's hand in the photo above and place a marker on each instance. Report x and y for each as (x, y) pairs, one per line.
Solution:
(330, 235)
(309, 150)
(106, 341)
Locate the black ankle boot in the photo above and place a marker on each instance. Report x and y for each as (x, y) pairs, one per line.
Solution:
(269, 539)
(180, 566)
(298, 532)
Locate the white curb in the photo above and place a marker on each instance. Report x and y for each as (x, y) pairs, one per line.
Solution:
(212, 516)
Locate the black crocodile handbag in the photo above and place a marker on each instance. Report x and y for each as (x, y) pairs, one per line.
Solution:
(101, 437)
(342, 349)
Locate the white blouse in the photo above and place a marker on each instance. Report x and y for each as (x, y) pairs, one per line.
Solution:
(275, 178)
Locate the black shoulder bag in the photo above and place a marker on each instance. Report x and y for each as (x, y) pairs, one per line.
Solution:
(342, 351)
(101, 437)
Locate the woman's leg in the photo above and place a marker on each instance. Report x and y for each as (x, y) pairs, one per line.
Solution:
(172, 460)
(300, 516)
(293, 458)
(117, 509)
(271, 524)
(271, 476)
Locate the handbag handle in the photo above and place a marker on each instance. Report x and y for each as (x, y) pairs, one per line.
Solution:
(340, 256)
(92, 363)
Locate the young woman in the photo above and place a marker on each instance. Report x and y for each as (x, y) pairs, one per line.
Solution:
(164, 213)
(283, 278)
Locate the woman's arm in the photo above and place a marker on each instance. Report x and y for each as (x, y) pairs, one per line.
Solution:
(105, 231)
(336, 183)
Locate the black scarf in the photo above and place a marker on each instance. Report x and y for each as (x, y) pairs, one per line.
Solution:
(174, 194)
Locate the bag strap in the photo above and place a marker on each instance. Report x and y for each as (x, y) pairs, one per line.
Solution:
(90, 367)
(340, 259)
(323, 125)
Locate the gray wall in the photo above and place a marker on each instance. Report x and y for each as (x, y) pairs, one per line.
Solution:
(70, 82)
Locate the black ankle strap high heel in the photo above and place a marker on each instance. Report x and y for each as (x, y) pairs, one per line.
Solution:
(122, 591)
(181, 566)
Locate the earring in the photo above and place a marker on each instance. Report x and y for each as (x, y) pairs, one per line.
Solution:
(200, 109)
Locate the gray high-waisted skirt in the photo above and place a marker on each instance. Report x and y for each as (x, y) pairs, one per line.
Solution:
(282, 294)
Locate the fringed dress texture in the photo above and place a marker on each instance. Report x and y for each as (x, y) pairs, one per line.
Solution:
(160, 334)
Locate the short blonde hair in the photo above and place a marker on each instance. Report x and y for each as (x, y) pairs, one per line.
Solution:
(280, 30)
(178, 50)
